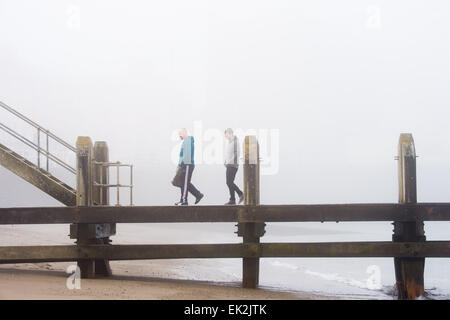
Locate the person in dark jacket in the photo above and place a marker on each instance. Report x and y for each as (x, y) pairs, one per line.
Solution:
(186, 162)
(232, 165)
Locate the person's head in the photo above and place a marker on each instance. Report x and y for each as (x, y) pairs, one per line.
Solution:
(229, 133)
(182, 133)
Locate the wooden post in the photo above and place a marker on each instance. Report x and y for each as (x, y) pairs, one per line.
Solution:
(84, 198)
(101, 197)
(101, 173)
(408, 271)
(251, 232)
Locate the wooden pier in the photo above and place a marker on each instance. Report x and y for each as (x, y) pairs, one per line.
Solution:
(94, 222)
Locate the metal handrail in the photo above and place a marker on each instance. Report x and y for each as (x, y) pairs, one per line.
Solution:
(37, 146)
(34, 124)
(32, 145)
(117, 164)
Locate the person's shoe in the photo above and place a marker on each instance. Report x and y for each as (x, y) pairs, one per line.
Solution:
(241, 198)
(197, 200)
(181, 203)
(231, 202)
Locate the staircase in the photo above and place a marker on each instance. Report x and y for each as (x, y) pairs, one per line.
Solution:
(34, 173)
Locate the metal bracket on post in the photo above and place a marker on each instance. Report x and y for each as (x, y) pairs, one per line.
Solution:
(409, 272)
(258, 230)
(251, 231)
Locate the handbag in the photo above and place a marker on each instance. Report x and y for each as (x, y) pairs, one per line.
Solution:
(176, 181)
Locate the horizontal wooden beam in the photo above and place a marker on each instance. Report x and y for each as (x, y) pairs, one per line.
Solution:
(259, 213)
(106, 214)
(347, 212)
(431, 249)
(30, 254)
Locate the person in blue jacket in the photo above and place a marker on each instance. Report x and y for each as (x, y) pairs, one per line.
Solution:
(186, 162)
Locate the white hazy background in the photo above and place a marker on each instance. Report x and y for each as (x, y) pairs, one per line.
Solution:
(340, 80)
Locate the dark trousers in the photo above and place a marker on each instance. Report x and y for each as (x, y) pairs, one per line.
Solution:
(231, 174)
(187, 186)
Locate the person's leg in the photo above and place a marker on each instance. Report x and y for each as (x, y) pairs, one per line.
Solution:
(235, 187)
(191, 188)
(182, 188)
(230, 177)
(186, 174)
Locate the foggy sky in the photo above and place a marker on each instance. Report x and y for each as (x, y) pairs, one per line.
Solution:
(340, 80)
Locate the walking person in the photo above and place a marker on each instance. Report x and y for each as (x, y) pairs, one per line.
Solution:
(232, 166)
(186, 164)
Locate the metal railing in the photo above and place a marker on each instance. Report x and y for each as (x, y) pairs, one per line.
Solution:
(37, 146)
(117, 164)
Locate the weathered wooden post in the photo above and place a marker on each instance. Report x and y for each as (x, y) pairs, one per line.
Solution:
(84, 198)
(251, 232)
(101, 173)
(408, 271)
(101, 197)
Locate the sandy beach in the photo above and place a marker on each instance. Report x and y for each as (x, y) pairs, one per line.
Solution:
(143, 279)
(48, 282)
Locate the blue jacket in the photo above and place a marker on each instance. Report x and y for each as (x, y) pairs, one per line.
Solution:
(187, 152)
